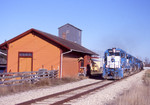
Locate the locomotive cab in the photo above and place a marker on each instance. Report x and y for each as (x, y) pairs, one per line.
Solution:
(112, 64)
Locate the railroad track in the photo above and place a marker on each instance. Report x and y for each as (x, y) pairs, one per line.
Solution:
(63, 97)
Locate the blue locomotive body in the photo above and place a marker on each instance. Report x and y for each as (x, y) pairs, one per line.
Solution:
(118, 63)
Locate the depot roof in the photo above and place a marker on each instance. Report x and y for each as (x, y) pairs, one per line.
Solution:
(63, 42)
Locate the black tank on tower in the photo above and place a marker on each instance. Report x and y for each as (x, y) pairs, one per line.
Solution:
(70, 32)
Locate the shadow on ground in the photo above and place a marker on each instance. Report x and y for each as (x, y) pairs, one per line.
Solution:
(97, 76)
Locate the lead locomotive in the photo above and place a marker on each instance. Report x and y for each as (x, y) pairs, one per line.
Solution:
(118, 63)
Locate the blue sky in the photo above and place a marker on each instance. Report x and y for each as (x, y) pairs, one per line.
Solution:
(105, 23)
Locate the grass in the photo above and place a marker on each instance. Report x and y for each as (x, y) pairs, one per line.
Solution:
(137, 95)
(6, 90)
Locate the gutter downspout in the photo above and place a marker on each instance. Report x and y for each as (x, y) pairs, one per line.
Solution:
(62, 58)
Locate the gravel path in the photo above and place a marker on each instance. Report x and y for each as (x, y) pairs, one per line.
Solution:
(97, 98)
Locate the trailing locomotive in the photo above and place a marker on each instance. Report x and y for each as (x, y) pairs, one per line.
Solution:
(118, 63)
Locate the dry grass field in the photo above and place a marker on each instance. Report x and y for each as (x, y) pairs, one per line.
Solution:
(5, 90)
(137, 95)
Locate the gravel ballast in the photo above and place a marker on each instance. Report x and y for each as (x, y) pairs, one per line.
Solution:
(110, 93)
(36, 93)
(97, 98)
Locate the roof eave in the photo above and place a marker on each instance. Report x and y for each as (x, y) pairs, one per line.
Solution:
(51, 39)
(25, 33)
(84, 52)
(70, 25)
(17, 37)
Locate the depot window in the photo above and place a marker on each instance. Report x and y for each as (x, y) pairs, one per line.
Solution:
(25, 54)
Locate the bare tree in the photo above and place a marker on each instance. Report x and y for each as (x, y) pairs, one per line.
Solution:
(147, 62)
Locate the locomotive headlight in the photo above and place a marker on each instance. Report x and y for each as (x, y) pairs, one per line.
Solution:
(114, 50)
(113, 59)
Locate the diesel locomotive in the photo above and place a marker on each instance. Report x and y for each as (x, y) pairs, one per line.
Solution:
(118, 64)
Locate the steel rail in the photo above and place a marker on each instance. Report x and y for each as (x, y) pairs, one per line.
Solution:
(81, 94)
(89, 91)
(74, 96)
(56, 94)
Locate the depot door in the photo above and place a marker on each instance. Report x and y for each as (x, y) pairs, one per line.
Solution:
(25, 62)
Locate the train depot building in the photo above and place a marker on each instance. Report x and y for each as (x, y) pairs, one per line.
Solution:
(34, 49)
